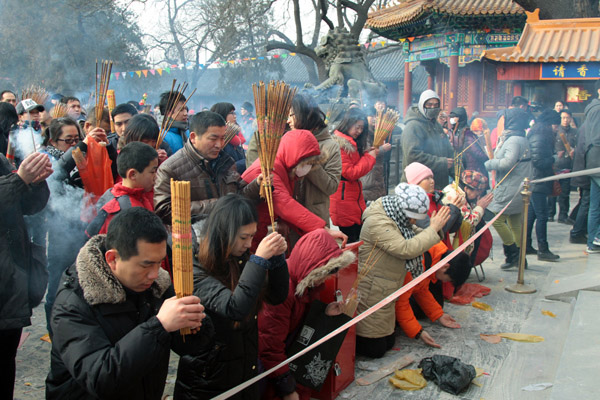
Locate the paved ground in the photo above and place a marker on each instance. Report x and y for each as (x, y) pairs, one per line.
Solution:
(508, 365)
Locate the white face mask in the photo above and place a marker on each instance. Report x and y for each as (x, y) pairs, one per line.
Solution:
(302, 170)
(453, 121)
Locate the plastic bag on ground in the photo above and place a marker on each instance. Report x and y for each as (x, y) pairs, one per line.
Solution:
(449, 373)
(408, 379)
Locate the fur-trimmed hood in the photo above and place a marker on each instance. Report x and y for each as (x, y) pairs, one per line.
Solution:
(97, 281)
(315, 256)
(345, 142)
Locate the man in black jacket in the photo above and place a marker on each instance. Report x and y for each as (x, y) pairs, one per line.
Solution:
(115, 319)
(23, 192)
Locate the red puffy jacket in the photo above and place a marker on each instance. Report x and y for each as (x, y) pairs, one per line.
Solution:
(137, 196)
(347, 204)
(295, 146)
(315, 257)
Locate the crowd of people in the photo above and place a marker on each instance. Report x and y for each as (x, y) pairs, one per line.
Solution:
(105, 262)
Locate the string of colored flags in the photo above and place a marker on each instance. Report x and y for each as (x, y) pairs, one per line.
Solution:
(218, 64)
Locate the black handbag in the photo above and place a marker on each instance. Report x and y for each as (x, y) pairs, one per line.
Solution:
(312, 368)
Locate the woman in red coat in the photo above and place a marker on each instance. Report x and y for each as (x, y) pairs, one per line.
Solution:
(315, 258)
(298, 152)
(347, 204)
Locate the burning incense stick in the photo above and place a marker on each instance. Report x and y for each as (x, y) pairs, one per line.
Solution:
(183, 273)
(272, 104)
(384, 126)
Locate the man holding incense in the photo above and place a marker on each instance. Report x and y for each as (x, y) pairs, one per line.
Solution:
(115, 318)
(202, 162)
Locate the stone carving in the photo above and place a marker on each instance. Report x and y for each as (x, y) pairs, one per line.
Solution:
(345, 61)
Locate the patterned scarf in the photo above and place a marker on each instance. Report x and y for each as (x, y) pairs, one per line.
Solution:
(54, 152)
(393, 209)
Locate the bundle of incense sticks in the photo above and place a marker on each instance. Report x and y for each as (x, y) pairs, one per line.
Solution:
(176, 96)
(488, 143)
(354, 296)
(183, 273)
(272, 105)
(35, 93)
(563, 138)
(112, 103)
(102, 82)
(384, 126)
(59, 111)
(230, 132)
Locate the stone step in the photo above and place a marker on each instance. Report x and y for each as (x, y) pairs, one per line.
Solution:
(566, 287)
(577, 373)
(531, 363)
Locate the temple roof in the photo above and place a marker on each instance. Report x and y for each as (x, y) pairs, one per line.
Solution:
(422, 17)
(553, 40)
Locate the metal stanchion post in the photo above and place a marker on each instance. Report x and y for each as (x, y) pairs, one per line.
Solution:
(520, 286)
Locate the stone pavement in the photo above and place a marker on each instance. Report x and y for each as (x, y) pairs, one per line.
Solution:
(509, 366)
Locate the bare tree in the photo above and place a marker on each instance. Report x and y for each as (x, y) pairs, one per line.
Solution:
(211, 30)
(559, 9)
(351, 15)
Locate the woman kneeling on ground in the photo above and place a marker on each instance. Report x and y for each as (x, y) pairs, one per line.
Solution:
(389, 232)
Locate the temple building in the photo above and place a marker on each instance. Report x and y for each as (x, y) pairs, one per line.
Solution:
(554, 60)
(449, 39)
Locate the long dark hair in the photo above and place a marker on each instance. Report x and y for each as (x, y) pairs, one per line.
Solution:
(223, 109)
(218, 236)
(8, 117)
(307, 114)
(53, 132)
(351, 117)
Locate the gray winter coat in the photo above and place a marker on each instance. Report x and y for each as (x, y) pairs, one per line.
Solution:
(514, 148)
(423, 141)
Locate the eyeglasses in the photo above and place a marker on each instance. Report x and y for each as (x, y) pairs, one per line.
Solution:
(432, 105)
(69, 141)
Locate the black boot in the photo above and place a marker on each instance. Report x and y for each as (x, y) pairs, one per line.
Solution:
(544, 253)
(529, 249)
(512, 256)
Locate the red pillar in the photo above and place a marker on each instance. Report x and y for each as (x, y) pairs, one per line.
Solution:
(517, 89)
(407, 87)
(453, 89)
(475, 88)
(430, 82)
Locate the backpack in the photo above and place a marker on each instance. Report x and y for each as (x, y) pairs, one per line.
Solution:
(97, 223)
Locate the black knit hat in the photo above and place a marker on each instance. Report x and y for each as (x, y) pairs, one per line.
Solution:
(549, 117)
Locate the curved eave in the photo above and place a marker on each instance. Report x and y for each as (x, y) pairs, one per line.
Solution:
(408, 12)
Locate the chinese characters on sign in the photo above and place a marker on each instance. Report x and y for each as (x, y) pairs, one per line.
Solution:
(570, 70)
(577, 94)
